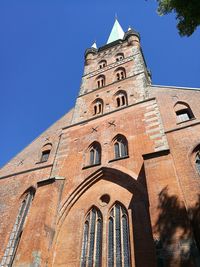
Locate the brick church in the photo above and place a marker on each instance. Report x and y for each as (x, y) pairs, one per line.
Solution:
(116, 181)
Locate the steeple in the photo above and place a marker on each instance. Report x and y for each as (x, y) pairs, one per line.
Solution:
(94, 45)
(116, 33)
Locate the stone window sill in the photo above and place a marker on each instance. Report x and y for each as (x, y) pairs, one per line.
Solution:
(178, 123)
(125, 157)
(90, 166)
(40, 162)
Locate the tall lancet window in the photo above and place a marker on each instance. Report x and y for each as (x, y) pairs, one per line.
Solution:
(120, 146)
(92, 239)
(16, 232)
(118, 237)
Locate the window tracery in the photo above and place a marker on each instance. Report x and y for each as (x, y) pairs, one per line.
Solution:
(16, 232)
(92, 239)
(118, 237)
(120, 147)
(95, 154)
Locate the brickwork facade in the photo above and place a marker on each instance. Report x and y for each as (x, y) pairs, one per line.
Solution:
(129, 149)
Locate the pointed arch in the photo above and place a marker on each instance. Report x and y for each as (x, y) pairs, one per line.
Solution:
(94, 151)
(120, 144)
(92, 238)
(118, 236)
(183, 112)
(16, 232)
(119, 175)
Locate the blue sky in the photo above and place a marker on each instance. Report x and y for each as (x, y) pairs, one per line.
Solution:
(41, 57)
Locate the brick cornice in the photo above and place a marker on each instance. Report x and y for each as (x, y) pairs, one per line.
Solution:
(156, 154)
(102, 115)
(26, 171)
(182, 127)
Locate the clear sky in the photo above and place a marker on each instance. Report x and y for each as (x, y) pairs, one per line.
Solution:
(41, 57)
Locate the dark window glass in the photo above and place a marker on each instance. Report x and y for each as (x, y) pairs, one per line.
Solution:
(120, 147)
(118, 238)
(45, 155)
(111, 243)
(92, 151)
(95, 154)
(15, 235)
(98, 243)
(118, 102)
(117, 153)
(123, 100)
(198, 162)
(92, 231)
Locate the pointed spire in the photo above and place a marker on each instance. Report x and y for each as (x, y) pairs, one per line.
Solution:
(94, 45)
(116, 33)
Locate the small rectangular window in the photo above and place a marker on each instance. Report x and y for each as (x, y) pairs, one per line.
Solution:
(45, 155)
(183, 115)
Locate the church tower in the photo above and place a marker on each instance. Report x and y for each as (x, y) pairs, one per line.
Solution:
(114, 182)
(117, 68)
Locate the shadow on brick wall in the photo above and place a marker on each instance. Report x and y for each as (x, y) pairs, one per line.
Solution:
(178, 230)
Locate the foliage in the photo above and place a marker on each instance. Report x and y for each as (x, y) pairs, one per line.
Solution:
(187, 14)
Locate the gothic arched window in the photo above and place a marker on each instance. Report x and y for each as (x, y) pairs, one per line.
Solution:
(183, 112)
(120, 146)
(102, 64)
(98, 106)
(92, 239)
(16, 232)
(120, 74)
(101, 81)
(95, 154)
(121, 98)
(118, 237)
(119, 56)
